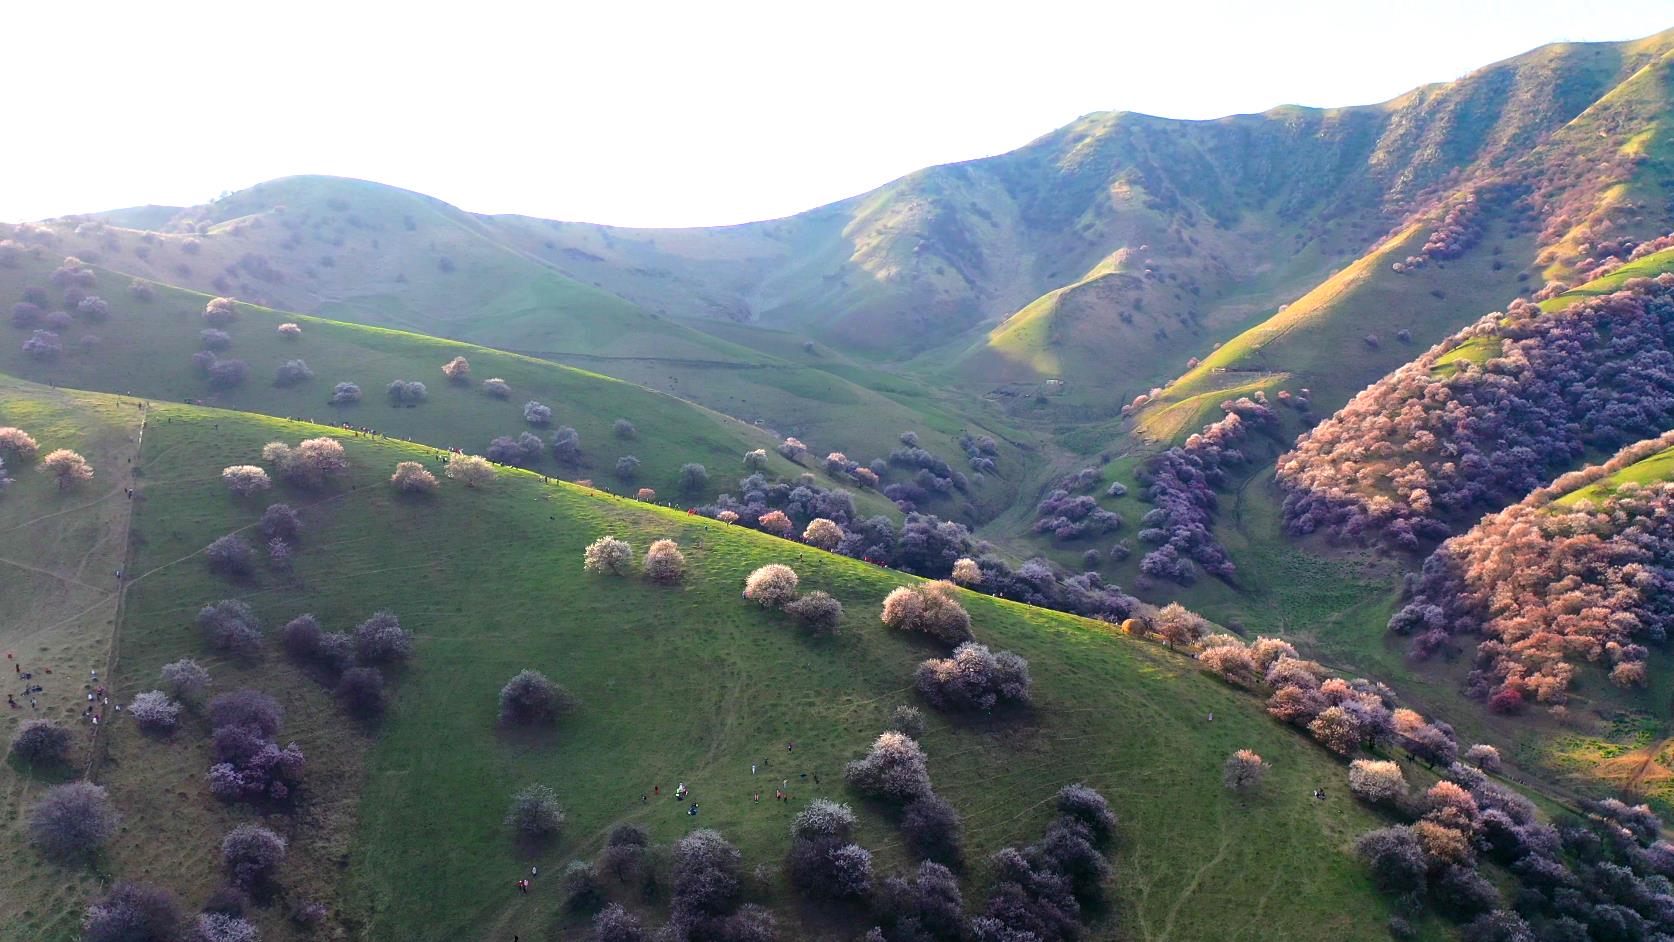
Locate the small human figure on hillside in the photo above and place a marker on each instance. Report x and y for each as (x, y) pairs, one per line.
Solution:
(657, 790)
(535, 871)
(752, 768)
(693, 809)
(1211, 716)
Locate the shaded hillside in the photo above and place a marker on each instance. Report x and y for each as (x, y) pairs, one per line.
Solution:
(1570, 583)
(145, 344)
(1489, 414)
(1553, 203)
(696, 698)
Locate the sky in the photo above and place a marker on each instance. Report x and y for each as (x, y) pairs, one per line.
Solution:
(675, 114)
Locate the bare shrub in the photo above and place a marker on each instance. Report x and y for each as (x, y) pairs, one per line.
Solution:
(457, 370)
(536, 414)
(566, 445)
(220, 312)
(1376, 780)
(153, 710)
(624, 430)
(292, 373)
(231, 555)
(223, 927)
(496, 387)
(407, 393)
(973, 679)
(894, 769)
(229, 625)
(822, 534)
(932, 830)
(530, 698)
(664, 562)
(41, 742)
(185, 679)
(213, 338)
(280, 522)
(17, 445)
(771, 586)
(245, 479)
(908, 720)
(930, 608)
(410, 477)
(693, 478)
(1484, 757)
(776, 523)
(227, 374)
(290, 331)
(301, 636)
(470, 470)
(381, 640)
(249, 710)
(251, 854)
(817, 612)
(535, 814)
(361, 692)
(344, 394)
(67, 468)
(310, 464)
(609, 556)
(73, 820)
(1244, 771)
(132, 912)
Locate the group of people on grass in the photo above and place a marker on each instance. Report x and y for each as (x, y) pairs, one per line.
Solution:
(98, 698)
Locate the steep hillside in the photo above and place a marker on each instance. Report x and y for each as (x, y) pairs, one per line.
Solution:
(1489, 414)
(411, 806)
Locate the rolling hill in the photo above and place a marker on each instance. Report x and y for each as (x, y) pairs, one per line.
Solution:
(681, 683)
(144, 347)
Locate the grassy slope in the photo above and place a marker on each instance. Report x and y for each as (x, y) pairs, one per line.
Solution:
(59, 552)
(679, 684)
(759, 376)
(145, 349)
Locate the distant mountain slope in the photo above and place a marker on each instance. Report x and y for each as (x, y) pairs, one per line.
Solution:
(1215, 220)
(145, 347)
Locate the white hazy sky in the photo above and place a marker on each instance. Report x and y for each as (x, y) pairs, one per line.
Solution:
(675, 114)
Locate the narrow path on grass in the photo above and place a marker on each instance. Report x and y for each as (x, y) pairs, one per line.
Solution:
(97, 746)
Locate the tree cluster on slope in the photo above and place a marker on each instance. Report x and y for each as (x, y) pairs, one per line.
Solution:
(1436, 442)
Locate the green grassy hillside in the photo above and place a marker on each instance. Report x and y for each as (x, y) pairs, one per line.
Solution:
(145, 347)
(679, 683)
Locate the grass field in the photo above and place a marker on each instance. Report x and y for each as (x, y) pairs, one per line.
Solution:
(59, 552)
(401, 828)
